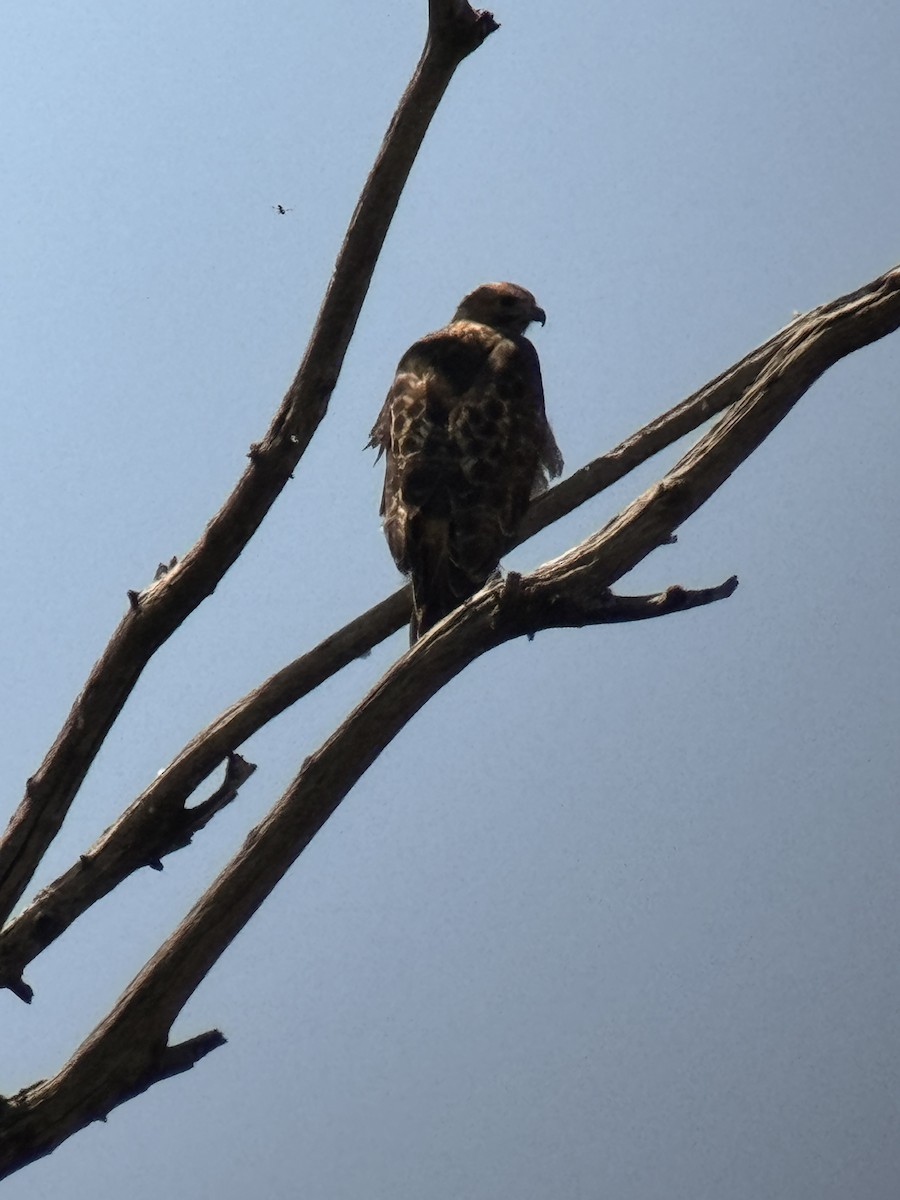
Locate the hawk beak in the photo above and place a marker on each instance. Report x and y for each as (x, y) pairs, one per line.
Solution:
(538, 314)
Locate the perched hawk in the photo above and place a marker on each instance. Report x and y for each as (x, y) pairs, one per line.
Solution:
(467, 443)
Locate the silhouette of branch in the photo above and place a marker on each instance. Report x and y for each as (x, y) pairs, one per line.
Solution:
(128, 1051)
(158, 821)
(454, 31)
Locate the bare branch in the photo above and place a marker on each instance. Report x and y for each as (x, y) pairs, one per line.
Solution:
(455, 30)
(158, 823)
(124, 1052)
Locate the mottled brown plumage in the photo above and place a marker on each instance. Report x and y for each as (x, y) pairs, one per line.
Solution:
(467, 443)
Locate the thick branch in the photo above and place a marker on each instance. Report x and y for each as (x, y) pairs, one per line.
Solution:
(124, 1055)
(135, 1033)
(455, 30)
(157, 822)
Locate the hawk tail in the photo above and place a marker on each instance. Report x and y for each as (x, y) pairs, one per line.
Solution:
(438, 584)
(424, 615)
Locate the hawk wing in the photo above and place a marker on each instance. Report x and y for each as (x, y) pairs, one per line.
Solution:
(467, 443)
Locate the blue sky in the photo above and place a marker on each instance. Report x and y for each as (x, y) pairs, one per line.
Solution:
(616, 915)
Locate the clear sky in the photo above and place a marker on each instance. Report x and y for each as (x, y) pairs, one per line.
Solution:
(616, 916)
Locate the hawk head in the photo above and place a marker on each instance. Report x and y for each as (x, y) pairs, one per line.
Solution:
(506, 307)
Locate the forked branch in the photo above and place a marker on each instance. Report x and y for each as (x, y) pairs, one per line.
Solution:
(158, 821)
(126, 1051)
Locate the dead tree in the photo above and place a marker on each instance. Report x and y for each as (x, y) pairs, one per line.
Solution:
(129, 1050)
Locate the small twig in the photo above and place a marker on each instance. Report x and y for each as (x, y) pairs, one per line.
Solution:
(573, 610)
(140, 838)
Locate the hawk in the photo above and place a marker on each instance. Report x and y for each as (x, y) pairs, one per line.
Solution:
(466, 443)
